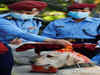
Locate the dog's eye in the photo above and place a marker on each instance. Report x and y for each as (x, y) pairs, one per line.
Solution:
(49, 56)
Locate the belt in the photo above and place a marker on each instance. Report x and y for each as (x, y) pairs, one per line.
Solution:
(78, 65)
(80, 40)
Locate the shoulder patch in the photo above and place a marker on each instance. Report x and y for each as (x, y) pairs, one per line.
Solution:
(9, 18)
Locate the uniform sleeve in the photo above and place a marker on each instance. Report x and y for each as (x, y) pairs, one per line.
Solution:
(97, 21)
(12, 30)
(50, 31)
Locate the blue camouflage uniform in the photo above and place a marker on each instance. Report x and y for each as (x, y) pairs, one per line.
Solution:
(69, 29)
(11, 29)
(25, 29)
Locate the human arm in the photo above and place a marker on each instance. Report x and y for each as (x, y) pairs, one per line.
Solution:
(12, 30)
(9, 29)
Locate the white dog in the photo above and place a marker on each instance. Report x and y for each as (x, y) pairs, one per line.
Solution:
(57, 59)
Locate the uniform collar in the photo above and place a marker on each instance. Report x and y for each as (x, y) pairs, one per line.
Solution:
(71, 20)
(89, 19)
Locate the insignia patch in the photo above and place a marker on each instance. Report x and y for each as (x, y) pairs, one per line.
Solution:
(32, 28)
(59, 26)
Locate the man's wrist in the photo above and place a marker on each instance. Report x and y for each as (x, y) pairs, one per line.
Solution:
(49, 39)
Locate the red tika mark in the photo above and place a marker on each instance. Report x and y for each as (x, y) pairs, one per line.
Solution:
(69, 48)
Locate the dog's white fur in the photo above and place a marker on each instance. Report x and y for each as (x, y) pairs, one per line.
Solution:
(58, 59)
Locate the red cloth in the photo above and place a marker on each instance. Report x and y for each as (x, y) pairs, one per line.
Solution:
(38, 46)
(45, 46)
(3, 48)
(43, 69)
(90, 47)
(28, 5)
(70, 49)
(78, 6)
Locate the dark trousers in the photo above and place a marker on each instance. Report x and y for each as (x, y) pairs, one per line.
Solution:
(6, 62)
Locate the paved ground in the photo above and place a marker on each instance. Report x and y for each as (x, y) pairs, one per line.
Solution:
(25, 70)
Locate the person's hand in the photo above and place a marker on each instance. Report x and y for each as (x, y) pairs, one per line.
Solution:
(16, 41)
(63, 43)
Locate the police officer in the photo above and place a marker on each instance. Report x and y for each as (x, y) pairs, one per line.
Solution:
(79, 27)
(6, 59)
(17, 26)
(74, 25)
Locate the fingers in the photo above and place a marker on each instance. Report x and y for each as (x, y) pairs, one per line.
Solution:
(16, 41)
(60, 42)
(66, 42)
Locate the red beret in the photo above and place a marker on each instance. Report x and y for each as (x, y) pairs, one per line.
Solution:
(80, 6)
(27, 5)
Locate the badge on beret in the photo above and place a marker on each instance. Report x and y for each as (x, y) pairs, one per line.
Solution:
(86, 8)
(34, 9)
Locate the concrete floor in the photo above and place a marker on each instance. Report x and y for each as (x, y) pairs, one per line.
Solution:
(25, 70)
